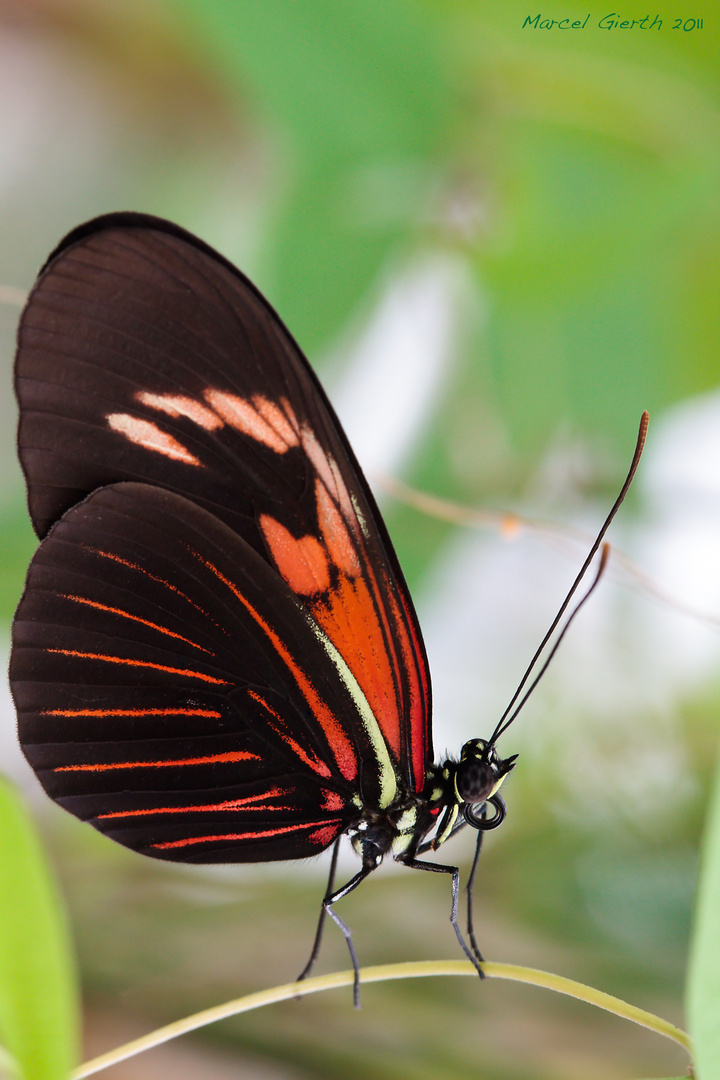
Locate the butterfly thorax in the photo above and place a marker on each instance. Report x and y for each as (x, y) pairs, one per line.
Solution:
(455, 793)
(395, 830)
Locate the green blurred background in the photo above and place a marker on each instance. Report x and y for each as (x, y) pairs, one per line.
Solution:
(498, 245)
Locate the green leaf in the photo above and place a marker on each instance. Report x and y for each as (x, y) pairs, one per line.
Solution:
(703, 986)
(327, 248)
(358, 95)
(339, 75)
(38, 990)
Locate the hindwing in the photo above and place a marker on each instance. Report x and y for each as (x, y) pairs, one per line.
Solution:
(172, 690)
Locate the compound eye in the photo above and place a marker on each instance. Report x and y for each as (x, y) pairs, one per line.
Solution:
(475, 780)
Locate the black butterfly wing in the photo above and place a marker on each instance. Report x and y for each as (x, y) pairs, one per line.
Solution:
(145, 356)
(170, 690)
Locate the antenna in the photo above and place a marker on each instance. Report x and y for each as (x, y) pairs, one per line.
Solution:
(604, 556)
(503, 723)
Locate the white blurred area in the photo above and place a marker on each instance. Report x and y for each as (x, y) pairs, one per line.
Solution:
(386, 395)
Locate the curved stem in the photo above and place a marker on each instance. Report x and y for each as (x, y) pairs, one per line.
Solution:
(385, 973)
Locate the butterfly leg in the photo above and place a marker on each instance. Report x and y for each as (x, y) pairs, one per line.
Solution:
(480, 821)
(323, 912)
(330, 899)
(441, 868)
(469, 894)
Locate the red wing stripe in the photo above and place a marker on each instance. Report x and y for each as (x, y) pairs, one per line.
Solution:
(140, 663)
(310, 759)
(250, 803)
(339, 743)
(233, 755)
(324, 836)
(209, 714)
(245, 835)
(153, 577)
(135, 618)
(418, 690)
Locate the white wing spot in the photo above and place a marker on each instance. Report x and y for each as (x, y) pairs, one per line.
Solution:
(271, 429)
(327, 470)
(150, 437)
(278, 417)
(179, 405)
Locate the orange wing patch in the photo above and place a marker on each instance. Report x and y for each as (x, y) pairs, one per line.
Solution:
(347, 603)
(340, 548)
(348, 607)
(348, 615)
(302, 563)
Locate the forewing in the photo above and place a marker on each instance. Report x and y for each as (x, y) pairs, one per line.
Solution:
(144, 355)
(170, 690)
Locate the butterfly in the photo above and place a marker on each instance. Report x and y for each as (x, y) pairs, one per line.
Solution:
(216, 658)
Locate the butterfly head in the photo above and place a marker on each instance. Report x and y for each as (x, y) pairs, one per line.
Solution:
(478, 777)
